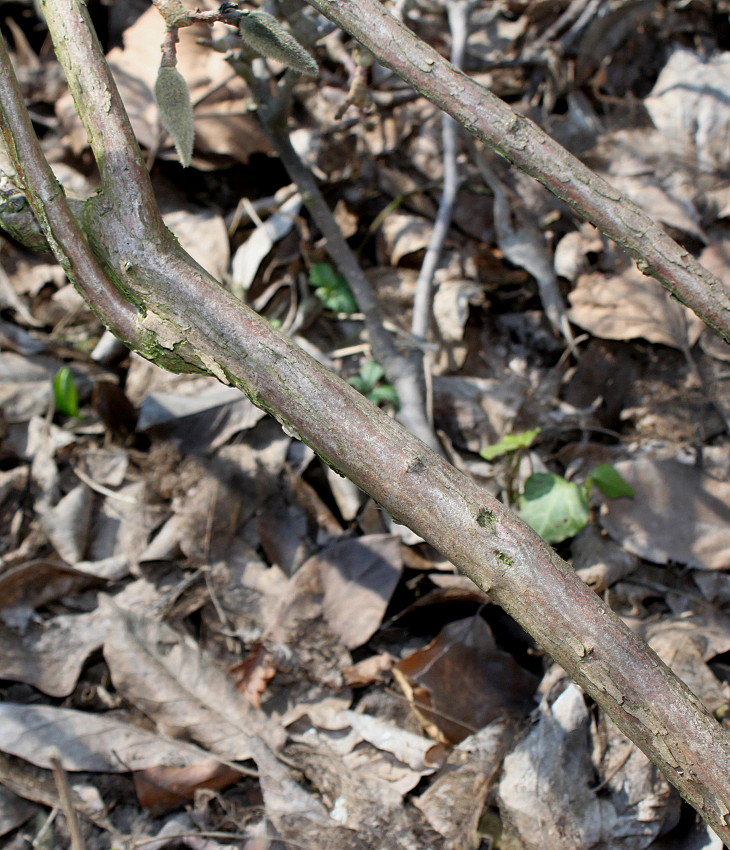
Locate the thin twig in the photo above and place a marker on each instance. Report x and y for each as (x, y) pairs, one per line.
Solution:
(64, 794)
(458, 14)
(402, 371)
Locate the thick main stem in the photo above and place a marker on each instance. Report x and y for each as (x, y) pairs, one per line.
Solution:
(187, 310)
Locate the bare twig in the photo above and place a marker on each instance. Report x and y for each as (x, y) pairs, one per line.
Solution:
(458, 14)
(64, 793)
(402, 371)
(523, 143)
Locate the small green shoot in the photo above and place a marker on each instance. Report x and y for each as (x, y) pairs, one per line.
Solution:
(558, 509)
(510, 443)
(368, 382)
(332, 289)
(65, 396)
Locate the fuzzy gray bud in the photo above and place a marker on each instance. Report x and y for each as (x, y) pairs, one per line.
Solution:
(176, 111)
(264, 34)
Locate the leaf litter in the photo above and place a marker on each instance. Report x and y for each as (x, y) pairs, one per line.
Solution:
(227, 645)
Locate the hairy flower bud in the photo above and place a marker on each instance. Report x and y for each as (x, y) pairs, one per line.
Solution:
(176, 111)
(264, 34)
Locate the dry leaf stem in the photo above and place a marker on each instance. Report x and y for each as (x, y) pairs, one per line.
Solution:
(522, 142)
(185, 311)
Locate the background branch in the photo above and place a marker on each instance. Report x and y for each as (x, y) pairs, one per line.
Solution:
(522, 142)
(401, 370)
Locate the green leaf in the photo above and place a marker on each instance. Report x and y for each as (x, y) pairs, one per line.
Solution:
(557, 509)
(610, 483)
(64, 392)
(384, 393)
(367, 383)
(509, 443)
(332, 289)
(370, 373)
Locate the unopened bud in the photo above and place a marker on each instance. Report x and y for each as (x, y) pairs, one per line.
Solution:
(267, 36)
(176, 111)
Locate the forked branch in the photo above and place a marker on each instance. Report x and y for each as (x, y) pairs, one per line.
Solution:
(182, 314)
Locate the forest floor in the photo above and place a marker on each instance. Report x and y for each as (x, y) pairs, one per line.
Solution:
(215, 640)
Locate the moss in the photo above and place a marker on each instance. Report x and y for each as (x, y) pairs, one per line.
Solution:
(486, 519)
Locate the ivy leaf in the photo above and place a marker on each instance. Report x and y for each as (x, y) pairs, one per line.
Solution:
(610, 483)
(332, 289)
(384, 393)
(557, 509)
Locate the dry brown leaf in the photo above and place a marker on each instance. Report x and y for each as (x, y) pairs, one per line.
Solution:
(36, 583)
(631, 306)
(284, 531)
(404, 234)
(569, 258)
(682, 643)
(451, 307)
(202, 233)
(14, 811)
(50, 655)
(678, 514)
(689, 104)
(376, 668)
(164, 788)
(88, 741)
(359, 576)
(166, 676)
(253, 674)
(368, 782)
(202, 415)
(546, 796)
(26, 385)
(461, 681)
(599, 561)
(251, 253)
(454, 803)
(68, 523)
(638, 803)
(348, 584)
(674, 206)
(477, 411)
